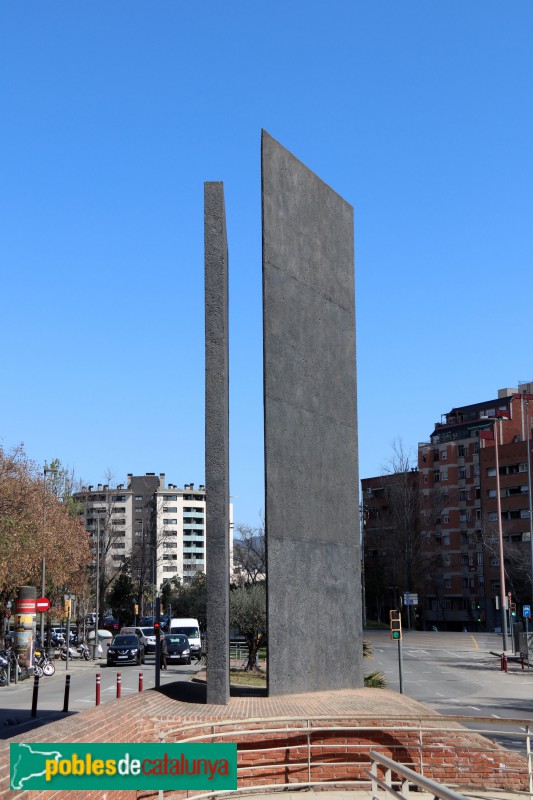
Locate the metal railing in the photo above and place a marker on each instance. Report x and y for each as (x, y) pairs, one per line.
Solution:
(408, 778)
(425, 728)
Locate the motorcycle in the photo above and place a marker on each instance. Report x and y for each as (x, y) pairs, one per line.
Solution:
(82, 651)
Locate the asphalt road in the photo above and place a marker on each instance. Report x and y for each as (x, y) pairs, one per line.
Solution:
(16, 700)
(457, 674)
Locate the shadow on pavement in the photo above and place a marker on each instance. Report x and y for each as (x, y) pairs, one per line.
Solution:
(19, 720)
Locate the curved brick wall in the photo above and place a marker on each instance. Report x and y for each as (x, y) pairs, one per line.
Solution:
(457, 758)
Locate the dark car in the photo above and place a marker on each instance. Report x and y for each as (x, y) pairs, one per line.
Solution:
(179, 649)
(125, 648)
(110, 624)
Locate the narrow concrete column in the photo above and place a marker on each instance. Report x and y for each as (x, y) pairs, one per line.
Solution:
(216, 443)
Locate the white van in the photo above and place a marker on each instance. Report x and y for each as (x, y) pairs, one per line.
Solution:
(191, 629)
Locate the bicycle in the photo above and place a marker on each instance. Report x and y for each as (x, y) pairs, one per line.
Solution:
(42, 664)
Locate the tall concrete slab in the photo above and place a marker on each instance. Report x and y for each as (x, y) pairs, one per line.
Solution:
(311, 468)
(216, 442)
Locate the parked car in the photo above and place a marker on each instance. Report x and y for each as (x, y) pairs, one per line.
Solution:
(125, 648)
(179, 649)
(146, 636)
(111, 624)
(102, 634)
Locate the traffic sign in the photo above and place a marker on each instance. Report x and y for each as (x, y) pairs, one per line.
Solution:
(526, 611)
(42, 604)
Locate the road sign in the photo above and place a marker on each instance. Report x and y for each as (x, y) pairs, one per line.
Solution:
(42, 604)
(410, 599)
(526, 611)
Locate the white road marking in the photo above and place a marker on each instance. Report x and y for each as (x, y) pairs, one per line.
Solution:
(495, 716)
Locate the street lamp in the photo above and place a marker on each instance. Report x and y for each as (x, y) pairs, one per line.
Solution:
(528, 420)
(46, 470)
(500, 535)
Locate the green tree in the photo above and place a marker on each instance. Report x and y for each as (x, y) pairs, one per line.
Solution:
(248, 614)
(122, 598)
(189, 600)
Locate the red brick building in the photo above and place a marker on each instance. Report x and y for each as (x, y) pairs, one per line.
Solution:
(457, 559)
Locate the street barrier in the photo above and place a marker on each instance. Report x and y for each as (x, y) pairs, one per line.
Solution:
(67, 694)
(97, 688)
(35, 696)
(141, 681)
(119, 685)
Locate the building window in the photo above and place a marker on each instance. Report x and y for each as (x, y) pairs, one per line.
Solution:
(480, 559)
(461, 450)
(444, 474)
(436, 476)
(495, 585)
(444, 454)
(138, 510)
(170, 522)
(446, 538)
(138, 497)
(446, 518)
(462, 473)
(481, 582)
(170, 510)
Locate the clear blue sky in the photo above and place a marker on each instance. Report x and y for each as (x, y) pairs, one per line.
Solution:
(113, 114)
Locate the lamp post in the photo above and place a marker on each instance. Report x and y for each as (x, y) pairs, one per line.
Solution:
(97, 621)
(500, 540)
(528, 440)
(46, 470)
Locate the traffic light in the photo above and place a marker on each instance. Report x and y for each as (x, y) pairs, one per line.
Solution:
(136, 609)
(512, 606)
(68, 607)
(157, 628)
(395, 625)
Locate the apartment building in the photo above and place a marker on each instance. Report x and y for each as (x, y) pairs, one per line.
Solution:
(459, 520)
(154, 530)
(458, 553)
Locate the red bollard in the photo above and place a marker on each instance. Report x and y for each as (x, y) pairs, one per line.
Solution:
(503, 667)
(141, 681)
(97, 688)
(119, 684)
(522, 660)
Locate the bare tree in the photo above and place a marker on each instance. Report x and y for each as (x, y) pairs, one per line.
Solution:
(249, 554)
